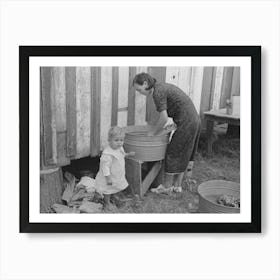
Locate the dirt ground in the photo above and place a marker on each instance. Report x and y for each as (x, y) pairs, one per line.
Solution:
(224, 164)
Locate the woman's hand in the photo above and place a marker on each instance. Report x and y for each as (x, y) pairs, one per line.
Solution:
(130, 154)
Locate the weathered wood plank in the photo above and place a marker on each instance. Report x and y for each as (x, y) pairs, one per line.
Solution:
(60, 101)
(140, 102)
(49, 140)
(218, 87)
(196, 86)
(206, 92)
(71, 122)
(206, 89)
(172, 75)
(53, 117)
(213, 87)
(106, 104)
(42, 152)
(95, 89)
(62, 159)
(235, 88)
(226, 86)
(159, 73)
(131, 97)
(83, 111)
(60, 97)
(115, 92)
(122, 118)
(184, 79)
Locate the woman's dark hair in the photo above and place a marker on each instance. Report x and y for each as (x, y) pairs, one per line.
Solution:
(144, 77)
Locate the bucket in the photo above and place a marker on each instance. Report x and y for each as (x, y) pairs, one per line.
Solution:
(146, 148)
(210, 191)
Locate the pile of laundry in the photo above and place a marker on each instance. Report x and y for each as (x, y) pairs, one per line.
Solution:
(79, 197)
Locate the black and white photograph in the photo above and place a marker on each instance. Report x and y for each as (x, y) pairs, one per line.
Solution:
(124, 142)
(140, 139)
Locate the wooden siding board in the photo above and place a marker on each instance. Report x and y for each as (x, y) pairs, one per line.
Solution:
(226, 86)
(60, 101)
(184, 79)
(83, 111)
(95, 89)
(115, 90)
(197, 86)
(218, 87)
(60, 98)
(140, 102)
(70, 85)
(131, 97)
(235, 88)
(122, 118)
(206, 90)
(172, 75)
(213, 88)
(47, 115)
(159, 73)
(106, 104)
(53, 117)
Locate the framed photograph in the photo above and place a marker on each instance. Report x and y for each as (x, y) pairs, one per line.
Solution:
(156, 139)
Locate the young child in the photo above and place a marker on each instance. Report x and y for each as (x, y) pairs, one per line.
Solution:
(110, 178)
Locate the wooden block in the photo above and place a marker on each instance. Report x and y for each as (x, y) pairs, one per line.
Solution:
(51, 188)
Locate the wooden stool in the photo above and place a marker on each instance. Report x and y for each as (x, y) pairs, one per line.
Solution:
(140, 175)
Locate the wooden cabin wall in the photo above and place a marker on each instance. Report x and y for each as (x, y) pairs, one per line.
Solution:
(80, 104)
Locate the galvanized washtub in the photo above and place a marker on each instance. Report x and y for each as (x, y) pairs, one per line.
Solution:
(210, 191)
(146, 148)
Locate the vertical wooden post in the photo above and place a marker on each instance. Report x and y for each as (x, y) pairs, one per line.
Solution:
(70, 85)
(235, 88)
(115, 87)
(47, 116)
(131, 97)
(226, 86)
(95, 88)
(159, 73)
(206, 92)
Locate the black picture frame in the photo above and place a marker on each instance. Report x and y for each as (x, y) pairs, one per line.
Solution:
(254, 52)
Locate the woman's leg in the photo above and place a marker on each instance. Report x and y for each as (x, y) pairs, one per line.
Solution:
(168, 180)
(178, 178)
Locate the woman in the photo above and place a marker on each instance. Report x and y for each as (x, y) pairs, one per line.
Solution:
(172, 102)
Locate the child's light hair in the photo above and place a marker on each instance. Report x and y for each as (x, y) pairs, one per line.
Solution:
(115, 131)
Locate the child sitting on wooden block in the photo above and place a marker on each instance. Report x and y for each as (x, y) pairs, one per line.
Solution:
(110, 178)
